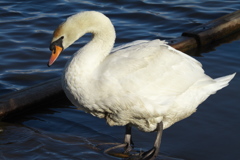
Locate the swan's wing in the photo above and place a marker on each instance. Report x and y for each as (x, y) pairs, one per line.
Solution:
(151, 70)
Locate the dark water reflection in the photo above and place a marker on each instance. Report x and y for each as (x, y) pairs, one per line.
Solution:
(59, 131)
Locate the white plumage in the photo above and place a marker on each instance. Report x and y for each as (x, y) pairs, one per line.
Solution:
(141, 83)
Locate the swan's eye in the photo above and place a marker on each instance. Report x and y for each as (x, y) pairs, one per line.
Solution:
(56, 43)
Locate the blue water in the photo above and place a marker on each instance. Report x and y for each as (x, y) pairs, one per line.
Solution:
(62, 132)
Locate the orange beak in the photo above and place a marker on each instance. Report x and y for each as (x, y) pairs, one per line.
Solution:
(55, 53)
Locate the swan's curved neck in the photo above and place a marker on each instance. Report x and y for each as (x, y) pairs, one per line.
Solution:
(88, 58)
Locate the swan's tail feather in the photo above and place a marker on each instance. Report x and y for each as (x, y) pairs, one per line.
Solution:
(208, 87)
(222, 82)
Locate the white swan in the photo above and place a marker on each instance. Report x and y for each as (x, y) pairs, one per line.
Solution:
(147, 84)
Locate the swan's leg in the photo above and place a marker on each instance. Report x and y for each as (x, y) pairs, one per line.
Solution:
(152, 153)
(128, 139)
(128, 143)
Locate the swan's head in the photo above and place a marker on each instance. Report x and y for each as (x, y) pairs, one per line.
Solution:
(75, 27)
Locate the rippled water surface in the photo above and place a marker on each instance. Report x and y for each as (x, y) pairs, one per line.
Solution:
(62, 132)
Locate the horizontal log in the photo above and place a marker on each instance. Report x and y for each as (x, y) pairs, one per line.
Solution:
(205, 34)
(19, 101)
(215, 30)
(183, 44)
